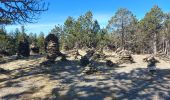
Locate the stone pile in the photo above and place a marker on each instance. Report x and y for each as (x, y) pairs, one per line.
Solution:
(118, 50)
(89, 53)
(150, 59)
(23, 48)
(88, 61)
(152, 64)
(90, 69)
(91, 56)
(96, 56)
(145, 59)
(109, 63)
(51, 51)
(73, 53)
(34, 49)
(76, 54)
(163, 56)
(84, 61)
(65, 47)
(125, 57)
(110, 47)
(87, 58)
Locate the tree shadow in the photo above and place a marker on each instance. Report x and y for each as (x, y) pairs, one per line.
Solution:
(134, 85)
(24, 95)
(15, 58)
(74, 85)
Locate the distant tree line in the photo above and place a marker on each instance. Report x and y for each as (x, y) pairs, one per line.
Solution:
(19, 12)
(150, 34)
(9, 42)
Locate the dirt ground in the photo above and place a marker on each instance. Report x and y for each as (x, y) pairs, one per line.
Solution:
(65, 81)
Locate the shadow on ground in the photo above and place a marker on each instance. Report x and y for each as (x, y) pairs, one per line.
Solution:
(74, 85)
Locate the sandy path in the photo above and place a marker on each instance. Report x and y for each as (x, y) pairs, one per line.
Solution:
(65, 81)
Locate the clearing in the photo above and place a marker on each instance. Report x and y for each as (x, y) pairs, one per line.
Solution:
(65, 81)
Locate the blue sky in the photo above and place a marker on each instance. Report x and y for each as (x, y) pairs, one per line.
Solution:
(102, 10)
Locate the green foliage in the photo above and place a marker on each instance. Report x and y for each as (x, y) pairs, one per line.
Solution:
(32, 38)
(81, 32)
(6, 42)
(148, 35)
(40, 42)
(120, 22)
(151, 26)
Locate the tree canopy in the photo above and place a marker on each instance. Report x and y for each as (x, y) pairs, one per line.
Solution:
(120, 21)
(150, 34)
(21, 11)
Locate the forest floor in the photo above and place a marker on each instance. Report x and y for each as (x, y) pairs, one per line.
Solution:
(28, 80)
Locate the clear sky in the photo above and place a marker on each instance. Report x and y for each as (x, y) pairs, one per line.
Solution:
(102, 10)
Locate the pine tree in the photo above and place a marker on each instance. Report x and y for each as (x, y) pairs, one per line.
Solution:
(40, 42)
(119, 23)
(151, 25)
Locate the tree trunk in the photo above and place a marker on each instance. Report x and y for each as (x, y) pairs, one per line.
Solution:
(155, 44)
(123, 42)
(167, 47)
(163, 44)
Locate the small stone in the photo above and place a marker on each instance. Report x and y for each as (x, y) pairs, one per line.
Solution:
(84, 61)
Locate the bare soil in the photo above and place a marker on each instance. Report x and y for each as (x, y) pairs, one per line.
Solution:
(65, 81)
